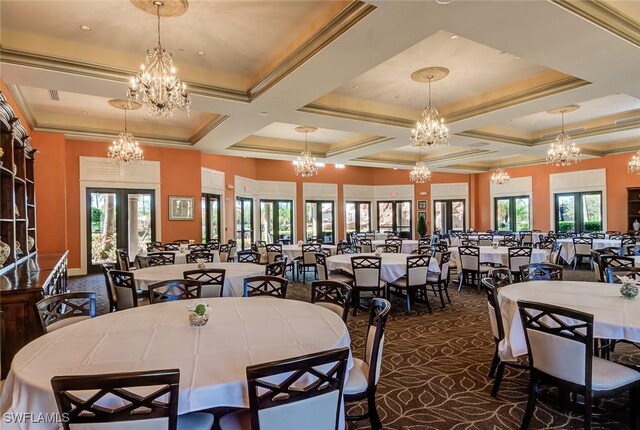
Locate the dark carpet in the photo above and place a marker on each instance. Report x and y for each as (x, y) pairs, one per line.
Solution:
(434, 373)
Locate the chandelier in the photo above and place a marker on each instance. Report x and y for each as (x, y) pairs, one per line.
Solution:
(634, 164)
(500, 176)
(125, 150)
(420, 173)
(563, 151)
(430, 132)
(306, 165)
(156, 85)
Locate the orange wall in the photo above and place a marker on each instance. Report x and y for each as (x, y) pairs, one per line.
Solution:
(618, 180)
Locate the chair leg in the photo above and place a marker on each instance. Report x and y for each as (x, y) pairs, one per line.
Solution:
(634, 412)
(494, 363)
(531, 405)
(588, 405)
(356, 301)
(460, 280)
(426, 299)
(498, 380)
(376, 424)
(409, 299)
(440, 288)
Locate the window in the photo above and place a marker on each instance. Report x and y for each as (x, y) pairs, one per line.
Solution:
(512, 213)
(395, 216)
(358, 217)
(244, 222)
(276, 220)
(449, 215)
(210, 217)
(578, 212)
(318, 216)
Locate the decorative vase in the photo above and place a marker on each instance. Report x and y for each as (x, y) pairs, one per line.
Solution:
(30, 242)
(198, 320)
(5, 251)
(18, 249)
(636, 225)
(629, 291)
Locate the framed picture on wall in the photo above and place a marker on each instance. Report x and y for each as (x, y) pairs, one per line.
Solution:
(422, 205)
(424, 214)
(181, 208)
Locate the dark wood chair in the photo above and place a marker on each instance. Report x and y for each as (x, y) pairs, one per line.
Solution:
(199, 247)
(120, 397)
(394, 242)
(273, 249)
(194, 256)
(125, 290)
(541, 272)
(439, 282)
(110, 293)
(352, 249)
(615, 261)
(561, 353)
(211, 280)
(365, 374)
(272, 286)
(485, 239)
(61, 310)
(275, 269)
(471, 270)
(333, 295)
(123, 261)
(366, 278)
(174, 246)
(249, 257)
(518, 256)
(174, 289)
(612, 273)
(308, 260)
(310, 391)
(500, 276)
(497, 328)
(325, 275)
(582, 247)
(389, 248)
(414, 281)
(161, 258)
(154, 246)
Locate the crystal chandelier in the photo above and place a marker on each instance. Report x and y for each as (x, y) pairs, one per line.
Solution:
(563, 151)
(306, 165)
(634, 164)
(125, 150)
(156, 85)
(420, 173)
(430, 132)
(500, 176)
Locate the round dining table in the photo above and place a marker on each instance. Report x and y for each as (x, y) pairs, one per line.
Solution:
(181, 257)
(408, 246)
(500, 255)
(294, 251)
(392, 266)
(212, 359)
(614, 316)
(568, 250)
(233, 280)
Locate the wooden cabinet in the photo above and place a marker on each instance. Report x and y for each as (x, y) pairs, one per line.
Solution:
(633, 207)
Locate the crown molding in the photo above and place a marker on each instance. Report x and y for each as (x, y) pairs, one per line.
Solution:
(22, 105)
(439, 160)
(207, 127)
(358, 145)
(356, 115)
(604, 16)
(494, 137)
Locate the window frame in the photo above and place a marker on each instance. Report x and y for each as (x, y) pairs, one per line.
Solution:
(276, 216)
(319, 232)
(512, 211)
(206, 219)
(394, 208)
(578, 209)
(357, 203)
(449, 213)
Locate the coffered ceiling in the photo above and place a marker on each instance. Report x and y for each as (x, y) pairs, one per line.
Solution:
(258, 69)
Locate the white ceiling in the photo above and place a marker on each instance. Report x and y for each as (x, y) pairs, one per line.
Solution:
(312, 53)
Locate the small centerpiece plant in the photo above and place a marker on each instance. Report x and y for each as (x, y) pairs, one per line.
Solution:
(629, 288)
(199, 314)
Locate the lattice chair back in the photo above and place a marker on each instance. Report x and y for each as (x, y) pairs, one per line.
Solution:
(211, 280)
(123, 260)
(616, 261)
(582, 245)
(161, 258)
(173, 246)
(485, 240)
(194, 256)
(224, 253)
(365, 245)
(612, 274)
(275, 269)
(333, 295)
(541, 272)
(495, 318)
(417, 269)
(389, 248)
(469, 257)
(378, 313)
(124, 286)
(308, 253)
(198, 247)
(249, 257)
(271, 286)
(554, 255)
(393, 242)
(366, 271)
(519, 256)
(321, 266)
(174, 289)
(61, 310)
(273, 249)
(500, 276)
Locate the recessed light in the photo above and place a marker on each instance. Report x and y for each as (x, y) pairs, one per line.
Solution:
(181, 49)
(355, 87)
(395, 168)
(516, 58)
(201, 53)
(396, 97)
(443, 1)
(502, 52)
(84, 112)
(85, 28)
(412, 99)
(453, 36)
(263, 113)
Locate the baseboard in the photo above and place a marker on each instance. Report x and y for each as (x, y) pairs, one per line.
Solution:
(76, 272)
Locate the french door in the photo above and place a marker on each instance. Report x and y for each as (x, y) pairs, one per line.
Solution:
(210, 217)
(395, 216)
(276, 220)
(579, 212)
(244, 222)
(118, 219)
(319, 220)
(512, 213)
(358, 217)
(449, 215)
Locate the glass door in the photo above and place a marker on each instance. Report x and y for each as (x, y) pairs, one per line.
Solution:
(319, 222)
(512, 213)
(578, 212)
(449, 215)
(210, 217)
(118, 219)
(395, 216)
(358, 217)
(276, 220)
(244, 222)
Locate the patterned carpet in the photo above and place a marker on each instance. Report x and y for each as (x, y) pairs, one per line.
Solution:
(435, 367)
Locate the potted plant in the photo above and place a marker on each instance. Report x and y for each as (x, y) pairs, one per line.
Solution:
(421, 227)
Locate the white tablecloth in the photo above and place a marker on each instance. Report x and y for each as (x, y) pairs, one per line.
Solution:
(181, 257)
(408, 246)
(568, 251)
(212, 359)
(393, 266)
(500, 255)
(293, 251)
(233, 281)
(614, 316)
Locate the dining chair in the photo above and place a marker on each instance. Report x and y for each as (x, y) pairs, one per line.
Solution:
(174, 289)
(211, 280)
(365, 245)
(275, 269)
(366, 278)
(248, 257)
(518, 256)
(597, 235)
(500, 276)
(388, 248)
(333, 295)
(194, 256)
(154, 246)
(302, 392)
(365, 374)
(615, 261)
(471, 270)
(554, 255)
(439, 282)
(123, 262)
(61, 310)
(198, 247)
(273, 249)
(223, 250)
(172, 246)
(560, 347)
(325, 275)
(110, 293)
(526, 239)
(265, 286)
(352, 249)
(582, 247)
(214, 245)
(394, 242)
(97, 400)
(308, 260)
(631, 249)
(182, 241)
(161, 258)
(126, 292)
(509, 243)
(414, 280)
(496, 370)
(612, 273)
(540, 272)
(485, 239)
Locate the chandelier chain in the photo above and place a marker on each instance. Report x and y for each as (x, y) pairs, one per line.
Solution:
(563, 151)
